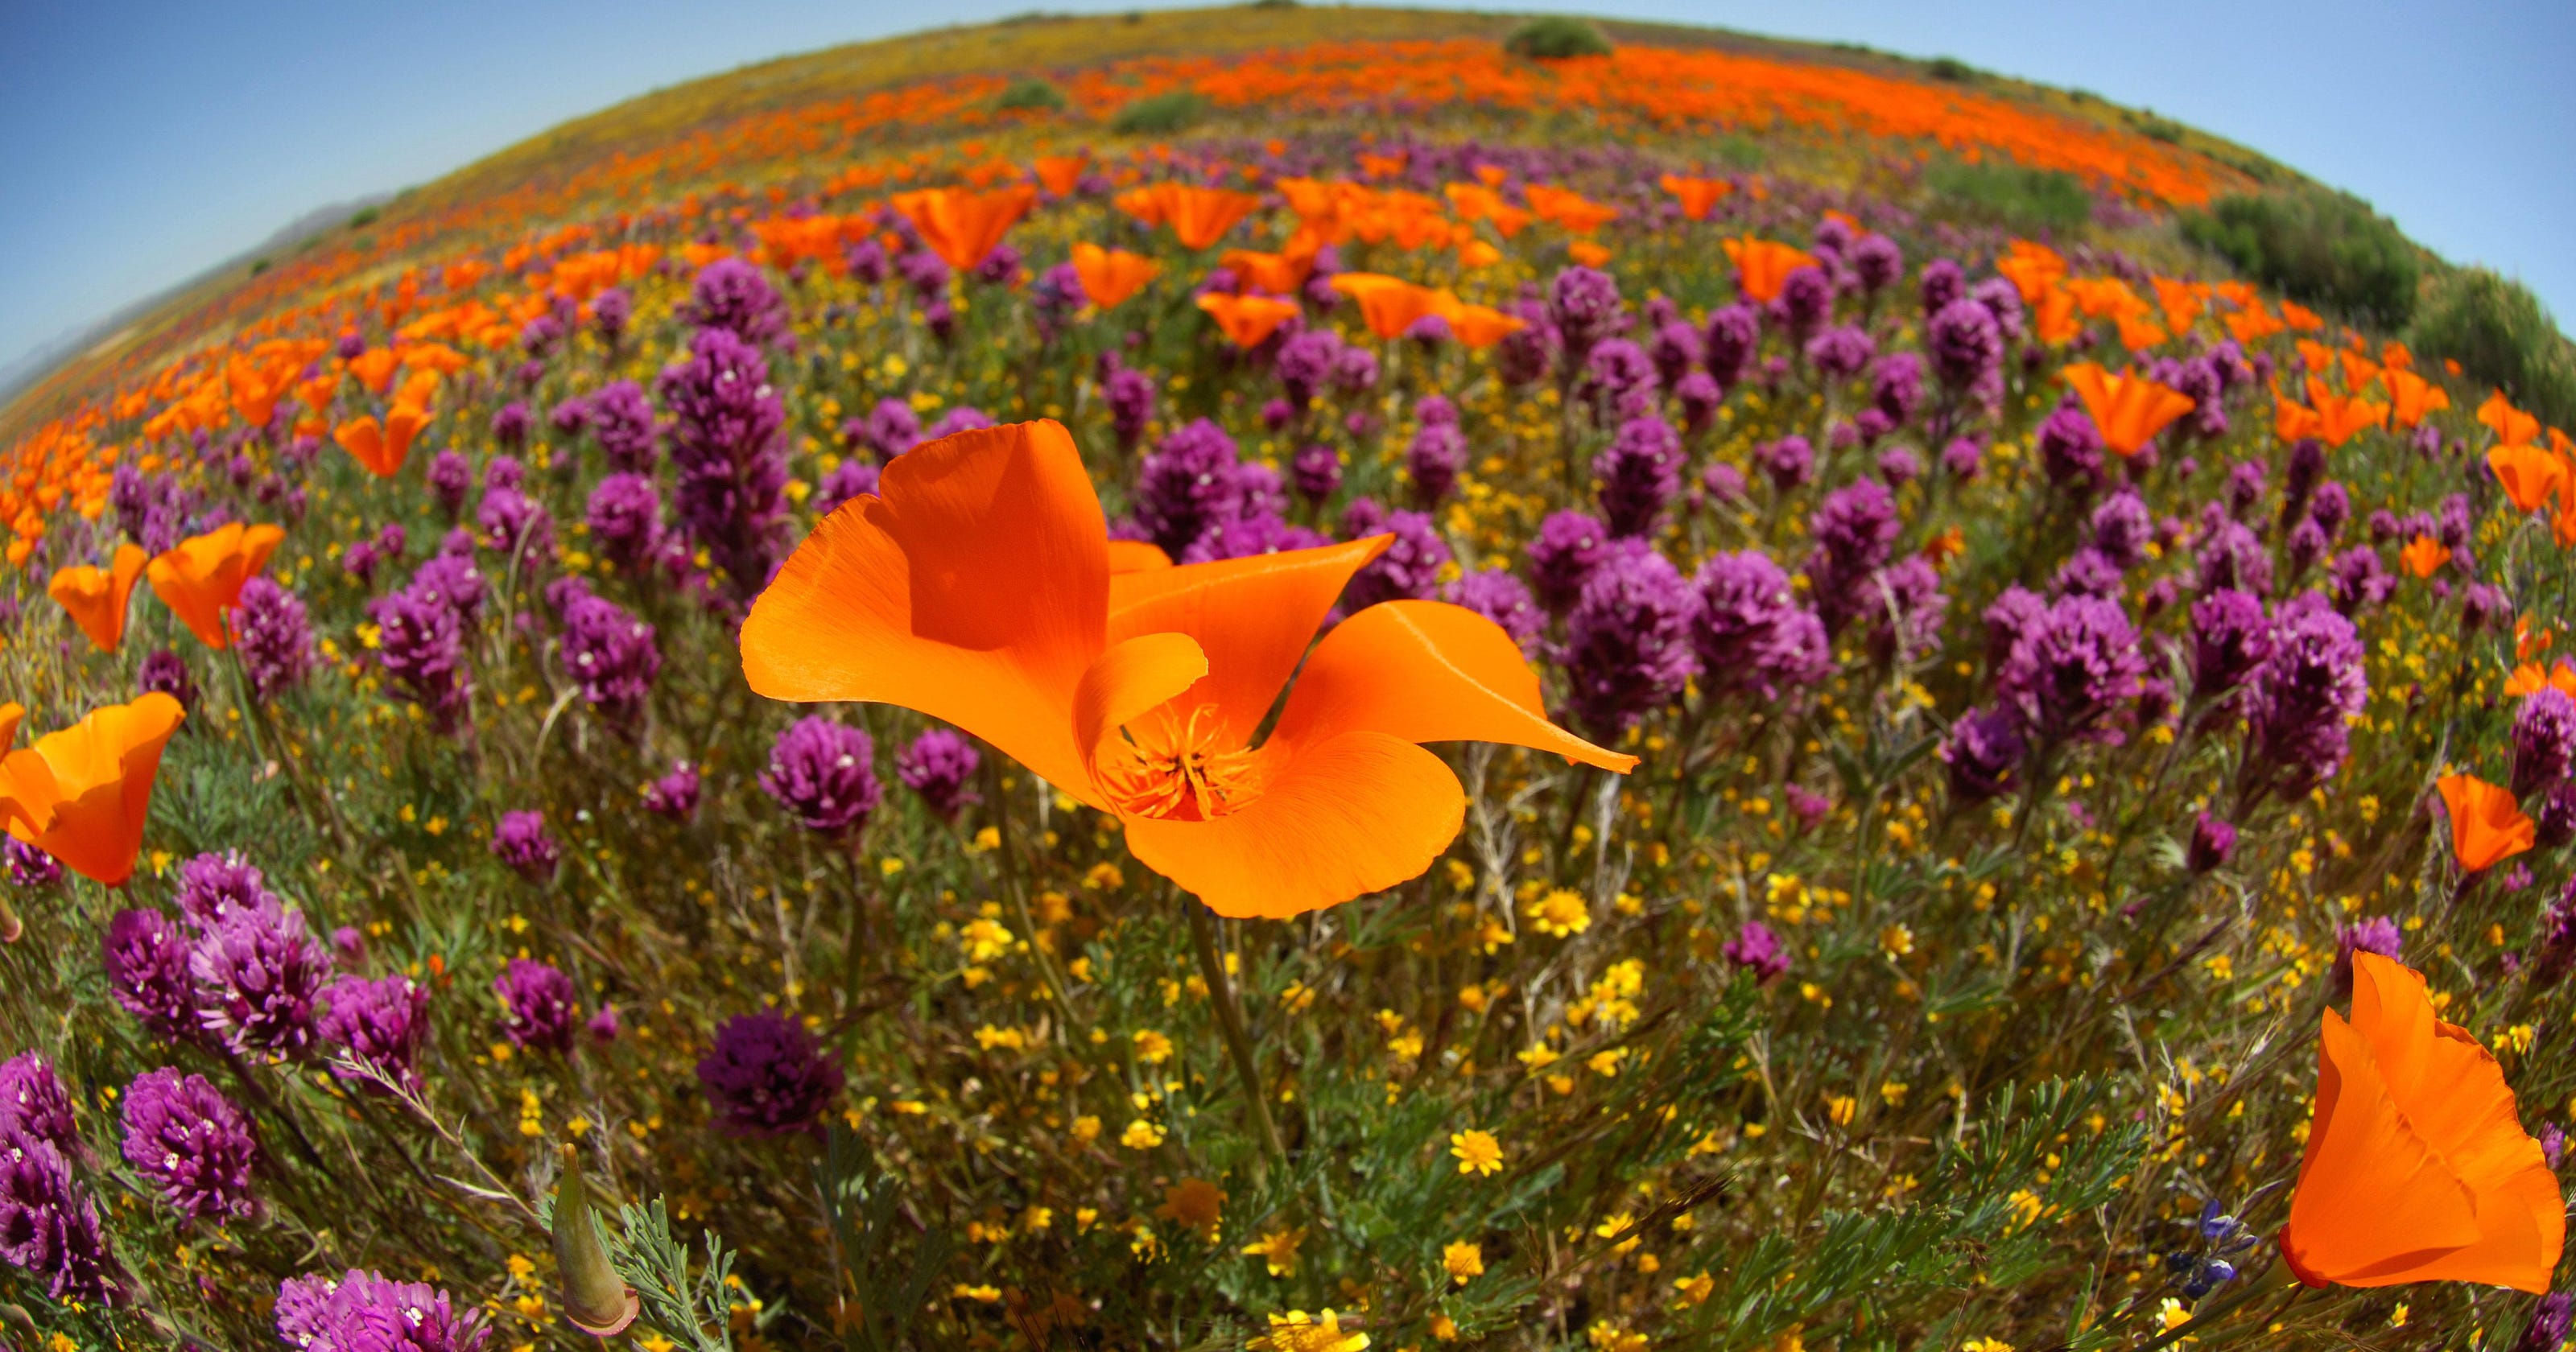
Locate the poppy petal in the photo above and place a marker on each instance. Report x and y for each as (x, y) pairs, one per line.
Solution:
(1254, 617)
(2374, 1200)
(1356, 814)
(1136, 556)
(1129, 680)
(972, 589)
(1427, 671)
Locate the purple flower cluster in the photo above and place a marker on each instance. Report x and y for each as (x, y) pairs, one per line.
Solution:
(366, 1312)
(189, 1141)
(822, 770)
(729, 449)
(2070, 669)
(1749, 632)
(272, 636)
(2301, 696)
(611, 656)
(146, 961)
(421, 632)
(735, 296)
(1757, 950)
(938, 765)
(48, 1224)
(766, 1076)
(625, 516)
(621, 419)
(540, 1010)
(520, 841)
(257, 973)
(1409, 570)
(1568, 546)
(378, 1025)
(1638, 474)
(1628, 641)
(1854, 528)
(1498, 596)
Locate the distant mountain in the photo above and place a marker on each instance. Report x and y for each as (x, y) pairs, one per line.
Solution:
(32, 366)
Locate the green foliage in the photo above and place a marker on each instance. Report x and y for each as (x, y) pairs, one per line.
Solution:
(1953, 70)
(1739, 152)
(2501, 335)
(2325, 249)
(1030, 94)
(2157, 127)
(2015, 197)
(1160, 114)
(1556, 37)
(364, 216)
(690, 1310)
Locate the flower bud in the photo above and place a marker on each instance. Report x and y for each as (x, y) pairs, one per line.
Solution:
(596, 1299)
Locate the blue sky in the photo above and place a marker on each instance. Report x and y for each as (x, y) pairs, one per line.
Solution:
(144, 140)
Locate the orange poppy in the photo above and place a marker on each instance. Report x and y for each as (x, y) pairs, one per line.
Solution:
(95, 597)
(12, 714)
(1110, 276)
(2528, 678)
(382, 449)
(2035, 269)
(2128, 408)
(1577, 213)
(1478, 325)
(2512, 426)
(2054, 317)
(2417, 1167)
(2424, 556)
(2138, 333)
(1588, 253)
(1763, 266)
(1199, 216)
(2181, 303)
(2292, 420)
(2487, 827)
(2358, 370)
(2300, 317)
(201, 576)
(1389, 305)
(1279, 273)
(1247, 319)
(81, 794)
(374, 368)
(961, 226)
(1698, 196)
(977, 588)
(2314, 356)
(2341, 416)
(2528, 473)
(1061, 174)
(2410, 396)
(1136, 556)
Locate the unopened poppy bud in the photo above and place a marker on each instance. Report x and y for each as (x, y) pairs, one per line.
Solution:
(596, 1299)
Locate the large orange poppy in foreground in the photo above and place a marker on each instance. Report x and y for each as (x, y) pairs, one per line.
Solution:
(201, 577)
(2417, 1167)
(977, 589)
(81, 794)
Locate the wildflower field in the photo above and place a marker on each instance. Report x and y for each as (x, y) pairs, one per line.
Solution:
(1304, 680)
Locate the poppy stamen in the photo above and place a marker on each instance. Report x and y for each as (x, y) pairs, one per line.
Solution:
(1187, 769)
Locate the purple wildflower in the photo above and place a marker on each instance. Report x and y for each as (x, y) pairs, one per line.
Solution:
(1638, 474)
(2302, 694)
(2213, 842)
(622, 420)
(1317, 473)
(257, 972)
(1757, 950)
(938, 766)
(1498, 596)
(1983, 751)
(1628, 641)
(2544, 741)
(1734, 331)
(766, 1076)
(734, 296)
(1749, 632)
(823, 772)
(2376, 934)
(674, 795)
(611, 655)
(729, 448)
(33, 1101)
(146, 962)
(1130, 397)
(1583, 306)
(48, 1225)
(273, 638)
(1568, 546)
(165, 671)
(378, 1025)
(520, 841)
(1408, 570)
(625, 516)
(540, 1010)
(1854, 528)
(2067, 672)
(188, 1140)
(1437, 453)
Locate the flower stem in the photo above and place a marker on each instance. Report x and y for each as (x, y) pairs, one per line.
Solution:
(1238, 1041)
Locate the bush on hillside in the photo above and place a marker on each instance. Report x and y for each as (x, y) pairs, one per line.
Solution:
(2016, 197)
(1554, 37)
(2325, 249)
(1029, 94)
(1161, 114)
(2501, 335)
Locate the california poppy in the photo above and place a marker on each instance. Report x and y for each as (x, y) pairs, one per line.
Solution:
(2340, 416)
(977, 588)
(1061, 174)
(1762, 266)
(1199, 216)
(374, 368)
(1110, 276)
(2424, 556)
(2128, 408)
(382, 449)
(2487, 827)
(2528, 473)
(2181, 303)
(200, 577)
(2292, 420)
(2512, 426)
(1389, 305)
(1575, 212)
(2528, 679)
(960, 226)
(12, 714)
(1698, 196)
(95, 597)
(2417, 1167)
(1478, 325)
(2054, 319)
(2410, 396)
(81, 794)
(1136, 556)
(1247, 319)
(1279, 273)
(1589, 253)
(2035, 269)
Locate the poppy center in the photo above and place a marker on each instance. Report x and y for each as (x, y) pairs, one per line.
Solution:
(1170, 767)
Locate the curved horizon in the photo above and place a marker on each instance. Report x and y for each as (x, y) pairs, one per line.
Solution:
(104, 241)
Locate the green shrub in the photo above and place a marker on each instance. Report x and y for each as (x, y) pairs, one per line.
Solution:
(2323, 248)
(2157, 127)
(1160, 115)
(1952, 69)
(1030, 94)
(1739, 152)
(1554, 37)
(2015, 197)
(364, 217)
(2501, 335)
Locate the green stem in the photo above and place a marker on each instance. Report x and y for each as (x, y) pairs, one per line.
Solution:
(1238, 1041)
